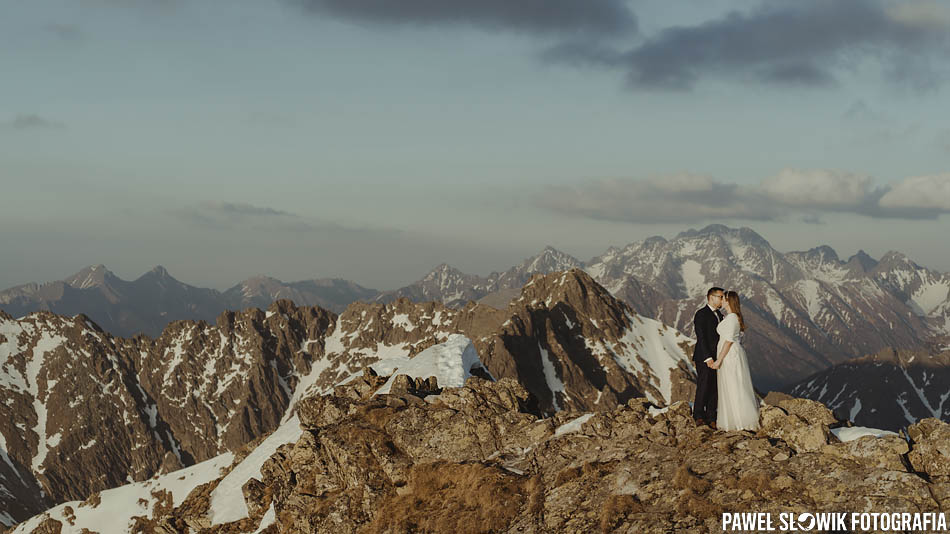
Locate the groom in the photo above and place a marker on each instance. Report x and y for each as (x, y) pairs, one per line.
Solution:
(707, 338)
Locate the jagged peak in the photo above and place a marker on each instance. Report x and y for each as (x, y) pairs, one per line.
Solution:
(90, 276)
(751, 235)
(564, 286)
(561, 260)
(260, 278)
(893, 255)
(442, 269)
(744, 233)
(824, 252)
(655, 240)
(93, 269)
(717, 229)
(863, 260)
(159, 271)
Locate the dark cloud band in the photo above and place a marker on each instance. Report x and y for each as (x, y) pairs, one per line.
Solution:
(538, 16)
(804, 43)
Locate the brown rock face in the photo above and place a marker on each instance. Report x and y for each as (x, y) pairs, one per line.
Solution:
(931, 452)
(478, 459)
(81, 411)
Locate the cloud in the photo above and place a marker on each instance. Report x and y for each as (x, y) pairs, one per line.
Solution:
(671, 199)
(922, 13)
(920, 194)
(241, 210)
(823, 190)
(805, 194)
(31, 121)
(801, 43)
(535, 16)
(227, 215)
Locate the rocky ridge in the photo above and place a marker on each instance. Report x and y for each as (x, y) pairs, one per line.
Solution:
(480, 458)
(454, 288)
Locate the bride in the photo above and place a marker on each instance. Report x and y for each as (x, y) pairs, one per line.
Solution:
(738, 408)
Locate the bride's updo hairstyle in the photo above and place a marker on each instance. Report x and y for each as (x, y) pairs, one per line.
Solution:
(733, 299)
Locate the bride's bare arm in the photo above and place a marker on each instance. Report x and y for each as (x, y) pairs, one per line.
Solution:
(722, 354)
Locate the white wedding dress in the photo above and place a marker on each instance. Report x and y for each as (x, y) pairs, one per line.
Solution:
(738, 408)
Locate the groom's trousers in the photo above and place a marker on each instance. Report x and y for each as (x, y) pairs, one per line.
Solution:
(707, 393)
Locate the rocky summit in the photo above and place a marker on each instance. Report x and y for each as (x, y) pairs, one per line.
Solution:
(481, 458)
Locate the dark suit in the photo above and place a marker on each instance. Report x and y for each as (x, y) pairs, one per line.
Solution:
(707, 339)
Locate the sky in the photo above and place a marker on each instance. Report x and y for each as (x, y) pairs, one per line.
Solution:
(373, 140)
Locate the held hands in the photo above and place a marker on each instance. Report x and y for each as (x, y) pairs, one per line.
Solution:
(714, 364)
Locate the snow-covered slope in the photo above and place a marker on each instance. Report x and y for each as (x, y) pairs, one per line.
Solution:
(112, 512)
(449, 362)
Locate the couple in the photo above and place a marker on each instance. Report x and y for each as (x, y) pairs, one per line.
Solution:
(724, 395)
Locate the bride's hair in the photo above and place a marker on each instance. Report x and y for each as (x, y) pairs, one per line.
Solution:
(733, 299)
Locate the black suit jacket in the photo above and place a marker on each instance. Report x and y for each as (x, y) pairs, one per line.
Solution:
(707, 338)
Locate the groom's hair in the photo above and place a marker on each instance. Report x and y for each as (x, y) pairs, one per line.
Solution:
(713, 290)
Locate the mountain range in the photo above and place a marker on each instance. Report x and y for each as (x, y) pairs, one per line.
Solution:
(82, 411)
(245, 424)
(149, 303)
(807, 311)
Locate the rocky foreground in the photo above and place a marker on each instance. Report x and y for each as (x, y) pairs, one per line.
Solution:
(479, 458)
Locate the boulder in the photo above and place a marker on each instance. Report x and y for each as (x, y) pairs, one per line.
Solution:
(930, 452)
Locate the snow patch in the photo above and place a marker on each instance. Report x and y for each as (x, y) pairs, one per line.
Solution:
(693, 279)
(402, 321)
(118, 505)
(450, 362)
(929, 297)
(855, 410)
(46, 344)
(856, 432)
(227, 499)
(574, 425)
(550, 376)
(810, 291)
(270, 516)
